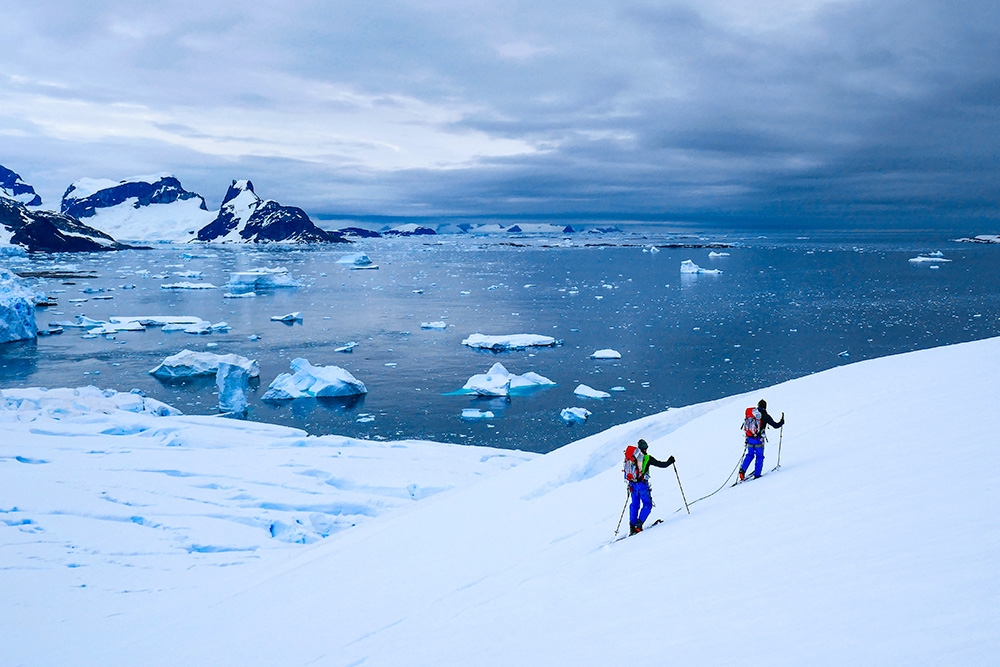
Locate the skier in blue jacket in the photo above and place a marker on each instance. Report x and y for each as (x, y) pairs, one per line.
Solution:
(642, 499)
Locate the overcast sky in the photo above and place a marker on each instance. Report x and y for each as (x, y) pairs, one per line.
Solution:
(847, 112)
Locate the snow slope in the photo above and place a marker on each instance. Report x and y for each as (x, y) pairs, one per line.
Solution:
(876, 543)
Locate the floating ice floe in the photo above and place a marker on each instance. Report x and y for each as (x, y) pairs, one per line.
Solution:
(606, 354)
(17, 309)
(934, 258)
(498, 381)
(433, 325)
(589, 392)
(714, 254)
(188, 363)
(346, 347)
(35, 402)
(290, 317)
(310, 381)
(510, 342)
(687, 266)
(475, 413)
(260, 278)
(578, 415)
(243, 295)
(186, 285)
(981, 238)
(195, 275)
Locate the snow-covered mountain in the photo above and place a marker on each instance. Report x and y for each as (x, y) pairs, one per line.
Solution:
(47, 231)
(12, 187)
(246, 218)
(132, 539)
(141, 208)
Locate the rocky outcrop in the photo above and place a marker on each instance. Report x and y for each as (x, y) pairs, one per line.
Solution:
(46, 231)
(12, 187)
(246, 218)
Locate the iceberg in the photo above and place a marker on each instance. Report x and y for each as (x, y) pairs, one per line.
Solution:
(575, 415)
(188, 363)
(261, 278)
(498, 381)
(589, 392)
(17, 309)
(714, 254)
(687, 266)
(232, 381)
(606, 354)
(355, 259)
(433, 325)
(290, 317)
(310, 381)
(509, 342)
(346, 347)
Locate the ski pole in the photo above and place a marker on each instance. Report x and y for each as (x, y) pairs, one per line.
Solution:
(682, 489)
(628, 495)
(781, 435)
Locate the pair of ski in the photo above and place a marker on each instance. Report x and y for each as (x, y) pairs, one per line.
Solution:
(655, 523)
(750, 478)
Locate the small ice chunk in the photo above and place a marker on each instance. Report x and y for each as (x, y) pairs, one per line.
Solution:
(714, 254)
(475, 413)
(186, 285)
(232, 381)
(290, 317)
(617, 388)
(433, 325)
(687, 266)
(189, 363)
(935, 258)
(346, 347)
(194, 275)
(844, 354)
(589, 392)
(606, 354)
(313, 381)
(575, 415)
(244, 295)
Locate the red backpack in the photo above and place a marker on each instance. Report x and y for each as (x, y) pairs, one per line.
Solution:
(751, 424)
(631, 468)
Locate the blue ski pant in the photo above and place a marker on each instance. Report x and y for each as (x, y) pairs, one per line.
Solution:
(641, 497)
(754, 452)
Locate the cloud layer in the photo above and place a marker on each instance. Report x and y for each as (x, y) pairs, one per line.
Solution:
(880, 112)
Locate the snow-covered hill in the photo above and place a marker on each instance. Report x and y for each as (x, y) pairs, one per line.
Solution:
(246, 218)
(876, 542)
(141, 208)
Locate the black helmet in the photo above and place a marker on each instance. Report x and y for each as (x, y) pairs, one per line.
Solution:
(642, 445)
(762, 404)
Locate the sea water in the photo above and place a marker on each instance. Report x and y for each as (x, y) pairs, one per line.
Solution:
(782, 306)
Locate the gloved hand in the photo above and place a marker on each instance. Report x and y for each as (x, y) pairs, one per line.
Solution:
(671, 461)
